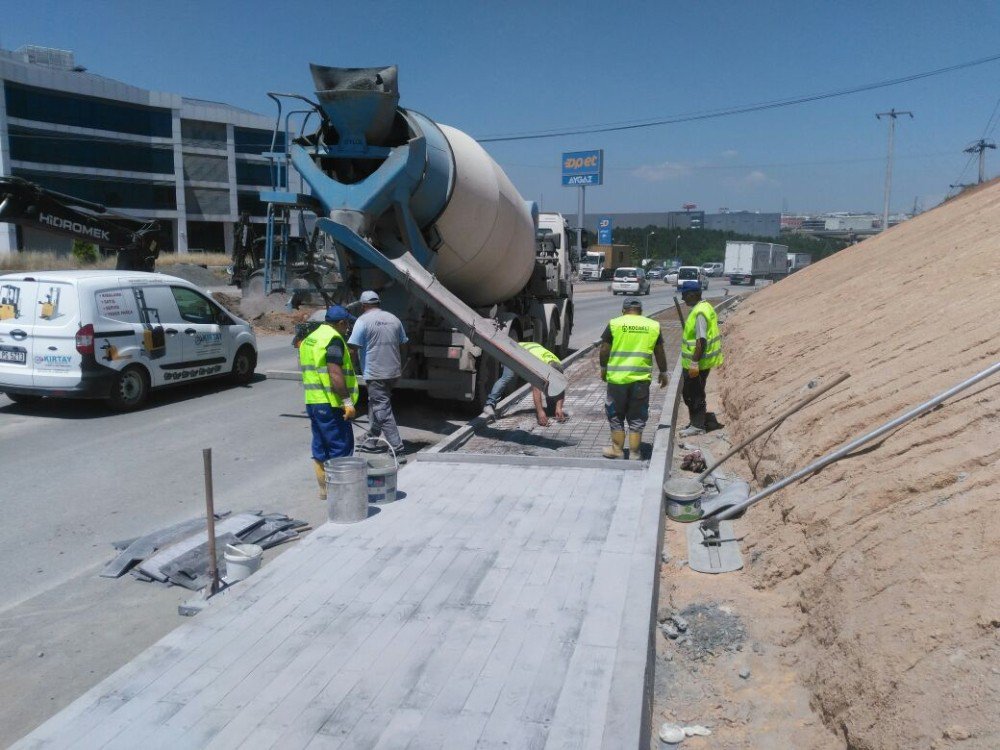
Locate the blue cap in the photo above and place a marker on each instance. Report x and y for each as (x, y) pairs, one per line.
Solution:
(337, 313)
(689, 286)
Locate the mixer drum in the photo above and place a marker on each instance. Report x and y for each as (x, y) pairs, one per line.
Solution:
(487, 230)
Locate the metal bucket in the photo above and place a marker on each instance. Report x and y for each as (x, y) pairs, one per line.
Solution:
(381, 479)
(346, 489)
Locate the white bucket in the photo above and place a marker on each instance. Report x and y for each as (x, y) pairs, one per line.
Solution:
(242, 560)
(382, 479)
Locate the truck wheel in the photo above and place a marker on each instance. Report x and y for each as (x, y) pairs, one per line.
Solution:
(253, 286)
(130, 389)
(244, 363)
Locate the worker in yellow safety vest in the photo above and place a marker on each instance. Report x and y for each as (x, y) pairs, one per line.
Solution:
(701, 351)
(331, 389)
(539, 399)
(628, 346)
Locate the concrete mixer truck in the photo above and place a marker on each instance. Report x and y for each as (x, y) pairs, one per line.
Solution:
(420, 213)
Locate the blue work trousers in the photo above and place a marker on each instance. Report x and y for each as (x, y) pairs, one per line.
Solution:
(332, 436)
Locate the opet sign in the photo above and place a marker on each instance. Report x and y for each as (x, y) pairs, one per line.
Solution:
(583, 168)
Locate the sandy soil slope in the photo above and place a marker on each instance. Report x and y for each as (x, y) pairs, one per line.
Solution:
(891, 555)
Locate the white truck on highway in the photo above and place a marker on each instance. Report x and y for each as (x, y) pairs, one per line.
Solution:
(798, 260)
(746, 262)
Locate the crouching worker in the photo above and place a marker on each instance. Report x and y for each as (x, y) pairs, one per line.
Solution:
(539, 398)
(331, 390)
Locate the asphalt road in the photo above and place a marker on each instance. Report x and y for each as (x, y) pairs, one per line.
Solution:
(77, 477)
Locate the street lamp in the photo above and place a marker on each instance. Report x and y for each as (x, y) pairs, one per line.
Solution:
(646, 256)
(676, 240)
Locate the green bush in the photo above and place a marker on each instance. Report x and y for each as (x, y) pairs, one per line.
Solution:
(84, 252)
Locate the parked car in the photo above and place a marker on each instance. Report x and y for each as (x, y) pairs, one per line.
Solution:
(670, 277)
(114, 335)
(692, 273)
(655, 273)
(712, 269)
(629, 281)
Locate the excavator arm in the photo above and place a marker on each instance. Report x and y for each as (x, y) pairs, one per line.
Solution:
(27, 204)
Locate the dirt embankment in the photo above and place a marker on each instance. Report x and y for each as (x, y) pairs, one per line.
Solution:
(891, 555)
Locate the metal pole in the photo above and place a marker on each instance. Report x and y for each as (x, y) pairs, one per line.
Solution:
(854, 444)
(774, 423)
(892, 114)
(581, 206)
(213, 566)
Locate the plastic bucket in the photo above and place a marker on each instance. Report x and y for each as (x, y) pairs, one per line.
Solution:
(684, 511)
(381, 479)
(242, 560)
(346, 489)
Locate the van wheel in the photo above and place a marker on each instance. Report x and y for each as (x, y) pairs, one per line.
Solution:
(130, 389)
(244, 364)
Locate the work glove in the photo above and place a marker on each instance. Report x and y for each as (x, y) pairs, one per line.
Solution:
(349, 411)
(693, 371)
(604, 374)
(663, 380)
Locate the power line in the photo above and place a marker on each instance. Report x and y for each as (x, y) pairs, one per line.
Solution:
(736, 110)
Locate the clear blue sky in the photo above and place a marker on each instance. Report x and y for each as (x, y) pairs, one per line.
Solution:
(493, 68)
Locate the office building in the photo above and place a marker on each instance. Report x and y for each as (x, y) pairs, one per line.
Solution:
(193, 165)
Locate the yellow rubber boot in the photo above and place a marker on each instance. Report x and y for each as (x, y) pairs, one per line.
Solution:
(616, 449)
(320, 478)
(635, 446)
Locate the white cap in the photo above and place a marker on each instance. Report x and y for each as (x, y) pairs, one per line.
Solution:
(369, 298)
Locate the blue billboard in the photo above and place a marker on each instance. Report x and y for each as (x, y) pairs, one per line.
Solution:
(583, 168)
(604, 227)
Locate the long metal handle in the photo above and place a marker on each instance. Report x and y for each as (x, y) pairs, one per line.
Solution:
(841, 452)
(774, 423)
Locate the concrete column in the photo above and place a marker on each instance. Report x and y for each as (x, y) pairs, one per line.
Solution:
(8, 232)
(180, 230)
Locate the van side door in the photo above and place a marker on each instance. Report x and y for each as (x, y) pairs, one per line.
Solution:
(18, 300)
(207, 345)
(161, 335)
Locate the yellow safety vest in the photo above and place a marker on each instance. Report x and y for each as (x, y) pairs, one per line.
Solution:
(315, 376)
(712, 356)
(633, 338)
(541, 352)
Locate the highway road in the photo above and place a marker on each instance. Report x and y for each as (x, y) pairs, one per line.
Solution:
(76, 478)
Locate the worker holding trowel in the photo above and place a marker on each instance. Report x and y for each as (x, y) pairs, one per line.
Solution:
(628, 346)
(701, 350)
(331, 389)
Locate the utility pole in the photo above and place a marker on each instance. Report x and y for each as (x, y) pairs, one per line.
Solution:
(892, 114)
(980, 148)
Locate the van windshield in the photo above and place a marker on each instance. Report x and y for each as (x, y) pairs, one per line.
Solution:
(625, 273)
(688, 273)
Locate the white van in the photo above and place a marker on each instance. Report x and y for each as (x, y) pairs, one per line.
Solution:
(114, 335)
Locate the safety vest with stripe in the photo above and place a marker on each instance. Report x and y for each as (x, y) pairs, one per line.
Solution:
(633, 338)
(541, 352)
(315, 376)
(712, 356)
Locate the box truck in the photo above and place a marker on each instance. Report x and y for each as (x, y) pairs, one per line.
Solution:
(601, 261)
(748, 261)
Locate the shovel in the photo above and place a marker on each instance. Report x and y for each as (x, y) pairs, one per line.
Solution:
(687, 490)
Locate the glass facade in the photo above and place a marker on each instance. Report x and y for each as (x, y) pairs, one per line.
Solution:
(47, 147)
(198, 167)
(203, 134)
(108, 191)
(253, 173)
(207, 236)
(253, 141)
(248, 202)
(46, 105)
(202, 201)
